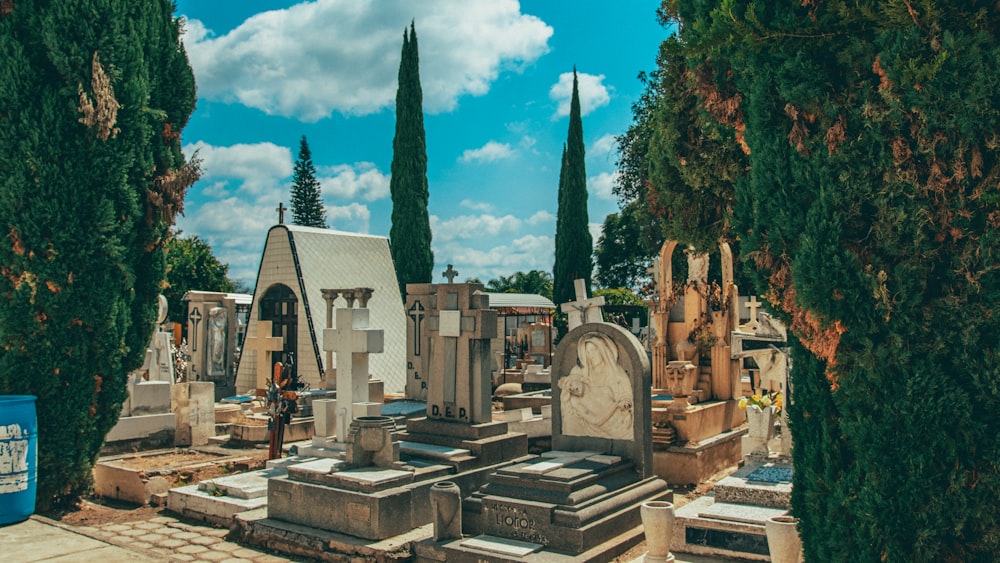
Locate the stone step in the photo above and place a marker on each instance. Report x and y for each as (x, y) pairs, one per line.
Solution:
(432, 451)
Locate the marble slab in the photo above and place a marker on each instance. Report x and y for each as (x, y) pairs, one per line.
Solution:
(502, 546)
(744, 513)
(431, 450)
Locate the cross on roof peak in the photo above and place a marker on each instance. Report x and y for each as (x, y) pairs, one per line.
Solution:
(281, 212)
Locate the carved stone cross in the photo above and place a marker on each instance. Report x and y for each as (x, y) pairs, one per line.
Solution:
(451, 273)
(753, 305)
(352, 341)
(195, 319)
(583, 310)
(263, 344)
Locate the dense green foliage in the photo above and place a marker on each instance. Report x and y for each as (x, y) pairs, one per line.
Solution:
(192, 266)
(534, 282)
(307, 199)
(574, 245)
(410, 234)
(851, 147)
(625, 248)
(93, 96)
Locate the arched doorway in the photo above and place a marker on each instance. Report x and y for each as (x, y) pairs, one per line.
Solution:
(280, 306)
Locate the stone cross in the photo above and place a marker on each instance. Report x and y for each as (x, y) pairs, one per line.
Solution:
(654, 270)
(583, 310)
(195, 319)
(753, 305)
(459, 387)
(263, 344)
(352, 341)
(281, 212)
(451, 273)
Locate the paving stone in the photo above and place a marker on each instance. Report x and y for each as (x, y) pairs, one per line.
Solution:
(186, 536)
(141, 545)
(240, 560)
(162, 519)
(205, 540)
(116, 528)
(267, 558)
(226, 546)
(213, 556)
(133, 532)
(246, 553)
(151, 538)
(192, 549)
(147, 526)
(182, 556)
(217, 532)
(171, 543)
(87, 530)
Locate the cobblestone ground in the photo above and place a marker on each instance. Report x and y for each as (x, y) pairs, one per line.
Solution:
(179, 541)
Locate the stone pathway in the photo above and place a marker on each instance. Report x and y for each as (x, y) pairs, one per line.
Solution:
(178, 540)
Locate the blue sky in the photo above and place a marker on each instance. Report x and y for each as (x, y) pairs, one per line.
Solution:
(496, 78)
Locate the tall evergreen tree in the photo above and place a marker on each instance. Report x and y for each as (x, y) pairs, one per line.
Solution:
(574, 244)
(307, 201)
(864, 192)
(410, 234)
(93, 96)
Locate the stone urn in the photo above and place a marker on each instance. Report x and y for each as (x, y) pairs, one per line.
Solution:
(658, 525)
(783, 539)
(446, 505)
(761, 422)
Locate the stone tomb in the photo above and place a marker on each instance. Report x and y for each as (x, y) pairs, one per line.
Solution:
(583, 497)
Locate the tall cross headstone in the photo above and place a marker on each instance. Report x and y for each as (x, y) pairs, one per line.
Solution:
(352, 340)
(451, 273)
(583, 310)
(263, 344)
(459, 388)
(281, 212)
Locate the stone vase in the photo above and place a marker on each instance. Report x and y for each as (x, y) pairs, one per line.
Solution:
(657, 524)
(783, 539)
(446, 505)
(761, 422)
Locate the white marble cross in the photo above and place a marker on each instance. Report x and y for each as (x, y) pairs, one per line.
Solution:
(352, 341)
(263, 344)
(583, 310)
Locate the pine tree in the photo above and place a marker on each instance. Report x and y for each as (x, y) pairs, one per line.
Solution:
(307, 201)
(410, 234)
(93, 96)
(574, 244)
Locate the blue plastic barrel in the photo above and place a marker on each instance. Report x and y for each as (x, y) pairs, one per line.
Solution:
(18, 457)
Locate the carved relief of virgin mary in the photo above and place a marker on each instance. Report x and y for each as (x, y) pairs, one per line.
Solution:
(596, 395)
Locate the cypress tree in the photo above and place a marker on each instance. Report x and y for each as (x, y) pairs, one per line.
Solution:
(868, 206)
(307, 202)
(93, 96)
(574, 244)
(410, 234)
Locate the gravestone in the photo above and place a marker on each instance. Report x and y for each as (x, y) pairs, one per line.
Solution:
(263, 344)
(216, 325)
(352, 341)
(585, 494)
(421, 300)
(583, 310)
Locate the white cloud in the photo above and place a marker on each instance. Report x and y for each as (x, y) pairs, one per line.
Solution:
(526, 253)
(362, 180)
(235, 229)
(316, 58)
(490, 152)
(472, 226)
(352, 218)
(476, 205)
(602, 185)
(593, 94)
(602, 146)
(541, 217)
(259, 166)
(595, 231)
